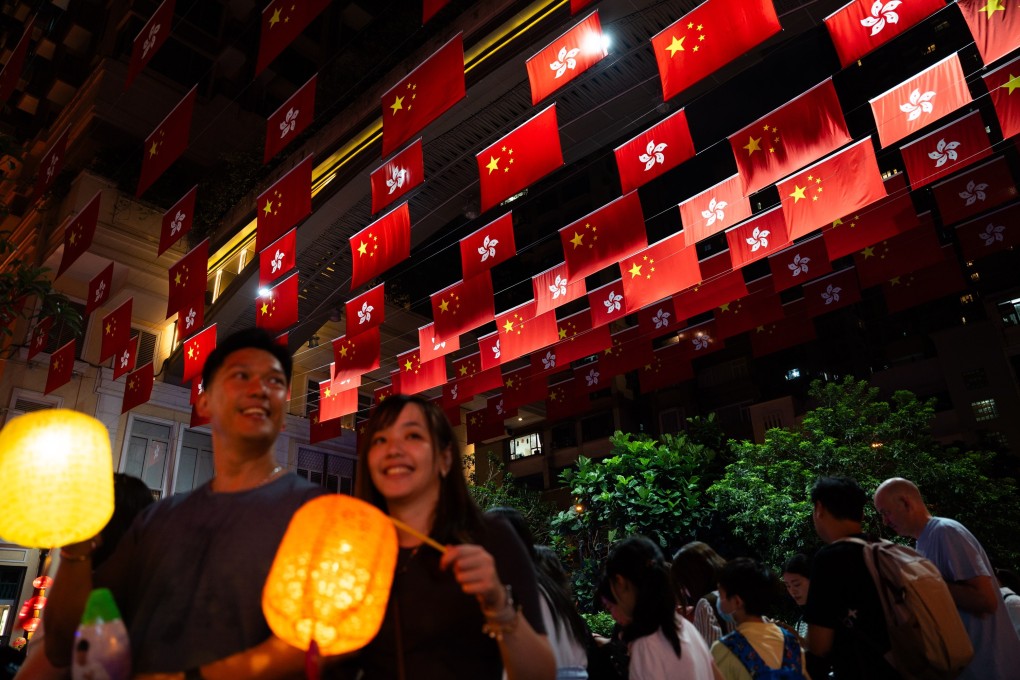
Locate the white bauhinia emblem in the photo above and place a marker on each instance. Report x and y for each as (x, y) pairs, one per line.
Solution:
(177, 223)
(454, 391)
(38, 337)
(612, 302)
(944, 152)
(201, 388)
(365, 313)
(565, 60)
(495, 350)
(436, 346)
(124, 358)
(289, 122)
(974, 192)
(653, 154)
(759, 238)
(715, 212)
(701, 342)
(661, 318)
(559, 287)
(488, 248)
(831, 294)
(993, 233)
(52, 167)
(592, 378)
(189, 320)
(882, 13)
(397, 179)
(799, 265)
(549, 360)
(500, 410)
(277, 263)
(918, 103)
(150, 40)
(100, 289)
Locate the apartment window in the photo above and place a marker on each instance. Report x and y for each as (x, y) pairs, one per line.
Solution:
(976, 379)
(195, 463)
(985, 409)
(1010, 312)
(526, 445)
(332, 471)
(148, 454)
(564, 436)
(145, 350)
(598, 426)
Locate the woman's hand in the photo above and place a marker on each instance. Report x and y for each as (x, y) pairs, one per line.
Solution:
(475, 571)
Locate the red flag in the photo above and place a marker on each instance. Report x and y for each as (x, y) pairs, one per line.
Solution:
(277, 309)
(468, 366)
(863, 25)
(758, 237)
(799, 263)
(284, 204)
(658, 319)
(483, 425)
(322, 430)
(282, 21)
(715, 265)
(487, 247)
(464, 306)
(522, 387)
(356, 355)
(607, 304)
(177, 220)
(832, 292)
(397, 176)
(278, 258)
(658, 271)
(11, 73)
(429, 8)
(946, 150)
(652, 153)
(116, 330)
(196, 349)
(497, 407)
(138, 388)
(337, 399)
(664, 369)
(924, 285)
(414, 375)
(564, 400)
(994, 25)
(78, 233)
(565, 58)
(382, 393)
(844, 182)
(530, 152)
(980, 188)
(714, 209)
(124, 361)
(991, 233)
(61, 367)
(709, 37)
(167, 142)
(579, 338)
(589, 378)
(577, 5)
(710, 294)
(432, 346)
(148, 41)
(39, 336)
(291, 119)
(489, 348)
(197, 388)
(188, 278)
(381, 245)
(423, 95)
(901, 254)
(630, 350)
(613, 232)
(369, 309)
(197, 419)
(551, 288)
(695, 342)
(878, 221)
(191, 317)
(1001, 84)
(747, 313)
(99, 289)
(791, 331)
(931, 94)
(51, 164)
(522, 332)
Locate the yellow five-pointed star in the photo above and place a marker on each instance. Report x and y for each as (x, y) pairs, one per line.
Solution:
(109, 328)
(635, 270)
(275, 19)
(868, 252)
(991, 7)
(676, 46)
(508, 326)
(397, 104)
(177, 279)
(894, 281)
(798, 193)
(191, 352)
(268, 209)
(752, 145)
(153, 149)
(563, 333)
(265, 307)
(343, 351)
(463, 369)
(493, 164)
(1011, 84)
(444, 306)
(408, 364)
(363, 248)
(725, 307)
(328, 393)
(577, 239)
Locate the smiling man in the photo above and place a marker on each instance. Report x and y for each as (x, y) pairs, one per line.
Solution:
(188, 575)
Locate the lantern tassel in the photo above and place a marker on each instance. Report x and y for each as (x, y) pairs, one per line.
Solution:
(419, 535)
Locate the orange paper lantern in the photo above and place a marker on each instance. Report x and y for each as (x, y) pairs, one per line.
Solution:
(331, 578)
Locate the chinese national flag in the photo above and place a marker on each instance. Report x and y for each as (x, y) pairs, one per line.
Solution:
(521, 387)
(196, 349)
(39, 336)
(148, 41)
(290, 120)
(658, 319)
(613, 232)
(565, 58)
(715, 209)
(11, 73)
(665, 368)
(79, 232)
(709, 37)
(589, 377)
(994, 25)
(530, 152)
(758, 237)
(61, 367)
(381, 245)
(278, 258)
(695, 342)
(423, 95)
(356, 355)
(564, 399)
(946, 150)
(991, 233)
(1002, 84)
(432, 346)
(138, 387)
(284, 204)
(167, 142)
(652, 153)
(522, 332)
(188, 278)
(863, 25)
(790, 137)
(607, 304)
(794, 329)
(51, 164)
(924, 285)
(879, 221)
(414, 375)
(116, 330)
(337, 399)
(710, 294)
(369, 309)
(484, 424)
(980, 188)
(898, 255)
(488, 346)
(322, 430)
(464, 306)
(799, 263)
(552, 290)
(758, 308)
(844, 182)
(397, 176)
(658, 271)
(630, 349)
(277, 310)
(381, 394)
(124, 360)
(99, 289)
(177, 220)
(832, 292)
(191, 317)
(282, 21)
(487, 247)
(931, 94)
(467, 367)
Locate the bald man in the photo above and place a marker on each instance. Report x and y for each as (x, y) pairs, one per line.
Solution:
(967, 571)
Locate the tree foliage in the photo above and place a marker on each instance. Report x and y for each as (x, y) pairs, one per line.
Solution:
(499, 488)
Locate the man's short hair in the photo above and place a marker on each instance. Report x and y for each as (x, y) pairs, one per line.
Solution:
(842, 497)
(253, 338)
(752, 581)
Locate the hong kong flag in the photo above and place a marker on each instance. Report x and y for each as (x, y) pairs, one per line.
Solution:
(832, 292)
(464, 306)
(282, 21)
(366, 311)
(1002, 84)
(579, 338)
(652, 153)
(191, 317)
(658, 319)
(880, 220)
(381, 245)
(356, 355)
(931, 94)
(322, 430)
(758, 237)
(601, 238)
(590, 377)
(277, 310)
(946, 150)
(863, 25)
(61, 367)
(551, 288)
(188, 278)
(526, 155)
(196, 349)
(99, 289)
(487, 247)
(116, 330)
(607, 304)
(790, 137)
(414, 376)
(995, 26)
(177, 220)
(521, 387)
(924, 285)
(521, 331)
(710, 294)
(975, 190)
(799, 263)
(695, 342)
(148, 41)
(167, 142)
(278, 258)
(138, 388)
(284, 204)
(51, 164)
(286, 123)
(40, 335)
(658, 271)
(709, 37)
(898, 255)
(715, 209)
(124, 360)
(79, 232)
(991, 233)
(489, 348)
(565, 58)
(397, 176)
(432, 346)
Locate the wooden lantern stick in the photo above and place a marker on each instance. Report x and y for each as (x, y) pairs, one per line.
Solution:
(419, 535)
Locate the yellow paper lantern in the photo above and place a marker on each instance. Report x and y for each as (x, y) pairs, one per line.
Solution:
(56, 470)
(332, 574)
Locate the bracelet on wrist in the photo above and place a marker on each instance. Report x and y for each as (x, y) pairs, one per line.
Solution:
(502, 621)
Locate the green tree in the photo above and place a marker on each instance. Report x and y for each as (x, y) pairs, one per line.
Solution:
(500, 488)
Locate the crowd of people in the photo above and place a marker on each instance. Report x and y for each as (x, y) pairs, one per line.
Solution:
(188, 574)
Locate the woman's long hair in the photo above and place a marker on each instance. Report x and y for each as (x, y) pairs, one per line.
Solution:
(695, 572)
(457, 517)
(640, 561)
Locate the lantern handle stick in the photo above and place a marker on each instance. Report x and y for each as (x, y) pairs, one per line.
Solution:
(419, 535)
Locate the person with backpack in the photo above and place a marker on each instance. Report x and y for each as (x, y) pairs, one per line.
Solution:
(967, 571)
(757, 649)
